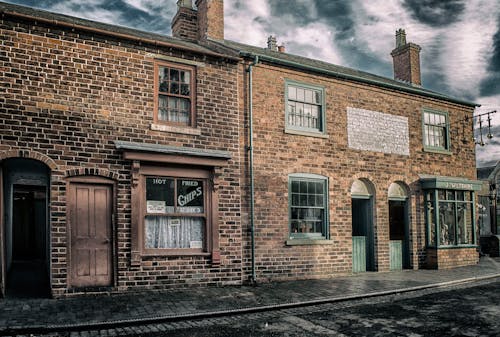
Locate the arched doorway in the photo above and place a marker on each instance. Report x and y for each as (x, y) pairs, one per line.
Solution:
(399, 248)
(25, 232)
(363, 238)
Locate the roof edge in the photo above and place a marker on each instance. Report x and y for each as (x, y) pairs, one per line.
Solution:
(413, 90)
(68, 24)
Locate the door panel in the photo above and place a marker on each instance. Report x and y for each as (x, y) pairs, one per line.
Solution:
(90, 212)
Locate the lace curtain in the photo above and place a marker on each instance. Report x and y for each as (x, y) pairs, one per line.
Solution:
(170, 232)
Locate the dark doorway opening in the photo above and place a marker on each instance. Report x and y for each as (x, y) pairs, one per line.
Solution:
(27, 275)
(398, 232)
(362, 227)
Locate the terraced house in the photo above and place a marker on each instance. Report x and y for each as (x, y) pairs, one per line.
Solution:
(131, 160)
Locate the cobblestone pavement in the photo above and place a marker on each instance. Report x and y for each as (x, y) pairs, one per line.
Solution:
(124, 312)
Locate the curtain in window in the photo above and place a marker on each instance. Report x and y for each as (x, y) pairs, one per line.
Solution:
(170, 232)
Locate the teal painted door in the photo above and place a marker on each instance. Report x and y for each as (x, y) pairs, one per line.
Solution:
(358, 254)
(396, 254)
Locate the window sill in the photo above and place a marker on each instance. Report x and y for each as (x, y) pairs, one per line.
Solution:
(308, 242)
(306, 133)
(454, 247)
(173, 252)
(440, 151)
(176, 129)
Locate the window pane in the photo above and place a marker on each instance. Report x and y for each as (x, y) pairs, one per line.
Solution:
(186, 77)
(308, 96)
(162, 107)
(174, 232)
(292, 92)
(317, 97)
(163, 78)
(295, 186)
(185, 89)
(300, 94)
(174, 88)
(447, 223)
(190, 196)
(174, 75)
(159, 195)
(463, 222)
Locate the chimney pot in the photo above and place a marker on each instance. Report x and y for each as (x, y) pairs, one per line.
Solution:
(185, 4)
(281, 48)
(400, 37)
(271, 43)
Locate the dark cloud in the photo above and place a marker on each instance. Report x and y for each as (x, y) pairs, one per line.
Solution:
(295, 9)
(337, 13)
(35, 3)
(491, 84)
(435, 12)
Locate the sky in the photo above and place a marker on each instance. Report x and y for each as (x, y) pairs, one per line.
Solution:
(460, 39)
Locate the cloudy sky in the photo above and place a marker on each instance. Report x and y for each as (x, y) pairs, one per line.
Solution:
(460, 39)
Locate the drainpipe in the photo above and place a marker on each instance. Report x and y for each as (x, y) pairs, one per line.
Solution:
(250, 156)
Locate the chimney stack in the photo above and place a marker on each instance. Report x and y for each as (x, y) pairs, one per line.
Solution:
(210, 19)
(406, 59)
(205, 22)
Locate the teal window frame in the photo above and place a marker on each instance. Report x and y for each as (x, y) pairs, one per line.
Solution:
(425, 134)
(305, 177)
(432, 217)
(322, 119)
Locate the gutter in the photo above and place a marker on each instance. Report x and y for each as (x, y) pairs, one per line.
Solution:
(154, 42)
(251, 171)
(413, 90)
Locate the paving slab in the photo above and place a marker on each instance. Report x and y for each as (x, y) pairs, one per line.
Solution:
(128, 309)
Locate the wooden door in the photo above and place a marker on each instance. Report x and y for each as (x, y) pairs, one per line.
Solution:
(90, 213)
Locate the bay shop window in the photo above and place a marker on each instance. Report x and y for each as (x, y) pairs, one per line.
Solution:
(174, 200)
(450, 211)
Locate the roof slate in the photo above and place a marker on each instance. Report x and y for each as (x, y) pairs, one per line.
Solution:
(336, 70)
(56, 18)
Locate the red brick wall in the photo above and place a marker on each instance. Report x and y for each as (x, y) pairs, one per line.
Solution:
(451, 258)
(278, 154)
(67, 95)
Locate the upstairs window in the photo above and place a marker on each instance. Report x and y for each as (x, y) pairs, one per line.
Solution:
(305, 108)
(435, 130)
(174, 89)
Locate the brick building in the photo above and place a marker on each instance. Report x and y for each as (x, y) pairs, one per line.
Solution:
(131, 160)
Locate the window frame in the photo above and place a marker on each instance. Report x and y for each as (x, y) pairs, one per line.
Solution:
(325, 226)
(209, 200)
(192, 96)
(430, 148)
(300, 129)
(433, 220)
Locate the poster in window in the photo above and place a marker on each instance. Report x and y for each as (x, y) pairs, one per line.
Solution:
(156, 206)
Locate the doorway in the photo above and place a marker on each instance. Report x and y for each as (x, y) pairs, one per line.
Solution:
(25, 233)
(363, 238)
(90, 221)
(399, 248)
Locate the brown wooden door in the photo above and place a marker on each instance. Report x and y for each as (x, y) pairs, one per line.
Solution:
(90, 210)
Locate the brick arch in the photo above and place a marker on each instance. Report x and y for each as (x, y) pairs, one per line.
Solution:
(365, 178)
(402, 180)
(30, 154)
(83, 171)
